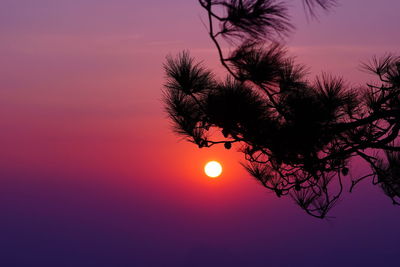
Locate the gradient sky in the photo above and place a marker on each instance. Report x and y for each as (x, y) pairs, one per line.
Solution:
(91, 175)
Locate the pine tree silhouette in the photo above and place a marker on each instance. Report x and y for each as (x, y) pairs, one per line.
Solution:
(298, 137)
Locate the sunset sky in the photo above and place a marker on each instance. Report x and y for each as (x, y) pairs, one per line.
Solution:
(92, 175)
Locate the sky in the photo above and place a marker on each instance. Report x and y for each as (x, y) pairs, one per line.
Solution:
(92, 175)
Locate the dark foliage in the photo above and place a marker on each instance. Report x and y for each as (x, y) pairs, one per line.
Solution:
(298, 136)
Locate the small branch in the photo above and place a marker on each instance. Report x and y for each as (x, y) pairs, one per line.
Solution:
(213, 38)
(355, 182)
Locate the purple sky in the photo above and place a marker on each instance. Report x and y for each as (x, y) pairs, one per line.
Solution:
(91, 175)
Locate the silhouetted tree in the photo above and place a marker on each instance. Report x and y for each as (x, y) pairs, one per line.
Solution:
(298, 136)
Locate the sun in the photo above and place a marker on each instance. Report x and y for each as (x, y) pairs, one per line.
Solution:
(213, 169)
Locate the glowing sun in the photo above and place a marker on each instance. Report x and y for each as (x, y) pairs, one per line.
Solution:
(213, 169)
